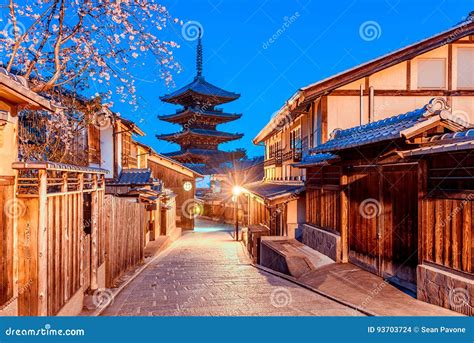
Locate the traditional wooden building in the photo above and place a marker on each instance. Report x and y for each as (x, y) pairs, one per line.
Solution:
(181, 181)
(440, 65)
(199, 139)
(15, 95)
(395, 197)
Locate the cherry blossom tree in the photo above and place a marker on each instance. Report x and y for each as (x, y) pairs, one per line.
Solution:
(82, 44)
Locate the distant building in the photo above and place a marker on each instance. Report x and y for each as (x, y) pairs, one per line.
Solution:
(199, 139)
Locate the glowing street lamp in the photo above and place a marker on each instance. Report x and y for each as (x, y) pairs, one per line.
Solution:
(236, 191)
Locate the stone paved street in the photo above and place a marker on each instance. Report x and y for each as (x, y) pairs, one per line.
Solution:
(206, 273)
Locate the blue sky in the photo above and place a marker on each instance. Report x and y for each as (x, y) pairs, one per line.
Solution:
(322, 39)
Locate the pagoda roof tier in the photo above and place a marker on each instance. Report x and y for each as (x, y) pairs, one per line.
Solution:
(199, 135)
(199, 91)
(203, 155)
(199, 115)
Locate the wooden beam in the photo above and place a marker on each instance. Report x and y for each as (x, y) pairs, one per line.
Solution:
(42, 244)
(324, 119)
(344, 218)
(422, 220)
(94, 234)
(408, 78)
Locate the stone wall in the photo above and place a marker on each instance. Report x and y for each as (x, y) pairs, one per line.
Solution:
(323, 241)
(447, 289)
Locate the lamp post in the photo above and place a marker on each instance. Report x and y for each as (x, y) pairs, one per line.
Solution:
(236, 190)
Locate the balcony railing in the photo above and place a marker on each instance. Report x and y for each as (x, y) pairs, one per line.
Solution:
(269, 162)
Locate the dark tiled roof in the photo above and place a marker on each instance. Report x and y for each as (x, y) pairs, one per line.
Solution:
(200, 168)
(317, 159)
(199, 111)
(377, 131)
(270, 191)
(135, 177)
(201, 86)
(217, 153)
(455, 141)
(201, 132)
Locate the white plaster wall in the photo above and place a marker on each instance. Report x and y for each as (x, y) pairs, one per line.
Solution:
(107, 150)
(8, 144)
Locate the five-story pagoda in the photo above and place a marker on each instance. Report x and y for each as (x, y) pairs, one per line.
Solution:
(199, 139)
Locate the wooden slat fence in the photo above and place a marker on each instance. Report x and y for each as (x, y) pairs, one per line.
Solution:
(323, 208)
(59, 243)
(125, 228)
(448, 232)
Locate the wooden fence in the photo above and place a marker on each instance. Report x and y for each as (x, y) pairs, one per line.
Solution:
(447, 232)
(125, 223)
(60, 243)
(323, 208)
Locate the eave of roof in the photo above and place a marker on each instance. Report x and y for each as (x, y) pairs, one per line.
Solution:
(273, 191)
(132, 126)
(19, 88)
(449, 142)
(200, 86)
(225, 117)
(201, 133)
(174, 162)
(321, 159)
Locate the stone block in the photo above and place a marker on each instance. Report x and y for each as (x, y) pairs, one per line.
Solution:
(323, 241)
(441, 287)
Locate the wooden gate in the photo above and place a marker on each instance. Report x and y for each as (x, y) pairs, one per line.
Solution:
(383, 227)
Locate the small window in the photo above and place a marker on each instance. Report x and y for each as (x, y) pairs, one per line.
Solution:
(432, 73)
(465, 68)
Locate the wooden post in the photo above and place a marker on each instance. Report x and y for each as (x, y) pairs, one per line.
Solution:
(94, 233)
(344, 213)
(80, 188)
(64, 233)
(422, 189)
(42, 243)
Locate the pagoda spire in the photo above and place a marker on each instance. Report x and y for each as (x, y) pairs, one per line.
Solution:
(199, 55)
